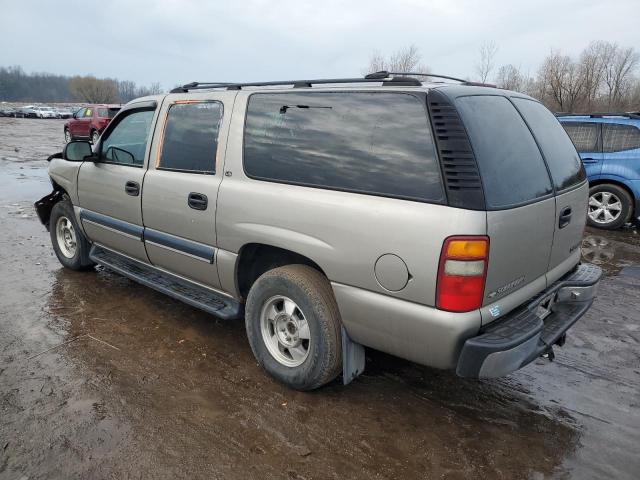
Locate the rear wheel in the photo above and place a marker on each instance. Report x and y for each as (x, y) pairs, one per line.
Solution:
(69, 243)
(610, 206)
(293, 325)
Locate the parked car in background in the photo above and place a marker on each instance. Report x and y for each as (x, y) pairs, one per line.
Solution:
(27, 111)
(89, 122)
(44, 111)
(609, 146)
(438, 222)
(8, 112)
(63, 112)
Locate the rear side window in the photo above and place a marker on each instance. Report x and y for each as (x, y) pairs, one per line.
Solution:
(375, 143)
(511, 166)
(617, 138)
(190, 138)
(583, 135)
(562, 159)
(107, 112)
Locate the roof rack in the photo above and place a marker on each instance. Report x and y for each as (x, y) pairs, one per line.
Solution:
(634, 115)
(384, 73)
(295, 83)
(387, 78)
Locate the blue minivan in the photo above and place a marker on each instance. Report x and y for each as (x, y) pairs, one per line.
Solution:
(609, 145)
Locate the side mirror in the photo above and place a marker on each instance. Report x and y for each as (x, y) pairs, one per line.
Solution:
(77, 151)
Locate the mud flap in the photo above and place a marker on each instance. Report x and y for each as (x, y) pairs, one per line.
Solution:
(353, 358)
(44, 206)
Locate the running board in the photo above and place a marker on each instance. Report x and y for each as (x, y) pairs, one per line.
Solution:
(178, 288)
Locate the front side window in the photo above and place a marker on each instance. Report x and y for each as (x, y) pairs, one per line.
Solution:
(126, 143)
(80, 113)
(617, 138)
(511, 166)
(562, 159)
(88, 112)
(584, 135)
(373, 143)
(190, 139)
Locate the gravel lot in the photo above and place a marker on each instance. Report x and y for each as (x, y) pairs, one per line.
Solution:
(103, 378)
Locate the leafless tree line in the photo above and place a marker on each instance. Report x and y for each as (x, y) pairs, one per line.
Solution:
(107, 90)
(602, 78)
(406, 59)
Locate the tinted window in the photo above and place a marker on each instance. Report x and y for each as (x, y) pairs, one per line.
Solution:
(191, 137)
(616, 138)
(560, 154)
(376, 143)
(509, 160)
(127, 141)
(583, 135)
(107, 112)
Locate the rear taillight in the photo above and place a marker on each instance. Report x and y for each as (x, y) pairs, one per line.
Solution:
(462, 273)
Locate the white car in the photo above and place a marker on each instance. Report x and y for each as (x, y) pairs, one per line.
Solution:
(45, 112)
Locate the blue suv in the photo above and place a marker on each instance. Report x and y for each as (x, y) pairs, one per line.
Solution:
(609, 145)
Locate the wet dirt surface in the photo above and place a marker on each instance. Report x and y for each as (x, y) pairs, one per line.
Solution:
(104, 378)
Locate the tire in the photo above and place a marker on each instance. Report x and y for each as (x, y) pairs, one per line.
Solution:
(311, 294)
(67, 136)
(610, 206)
(94, 137)
(64, 232)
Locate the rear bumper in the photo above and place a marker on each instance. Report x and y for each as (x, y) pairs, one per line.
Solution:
(522, 336)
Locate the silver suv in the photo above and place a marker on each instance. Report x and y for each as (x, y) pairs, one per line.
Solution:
(439, 222)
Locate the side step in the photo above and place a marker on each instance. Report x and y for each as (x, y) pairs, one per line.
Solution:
(190, 293)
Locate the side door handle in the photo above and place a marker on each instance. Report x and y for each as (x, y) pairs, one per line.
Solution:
(132, 188)
(565, 217)
(197, 201)
(589, 160)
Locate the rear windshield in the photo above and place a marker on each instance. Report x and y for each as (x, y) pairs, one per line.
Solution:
(107, 112)
(374, 143)
(558, 150)
(511, 166)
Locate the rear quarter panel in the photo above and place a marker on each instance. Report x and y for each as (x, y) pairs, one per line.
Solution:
(344, 233)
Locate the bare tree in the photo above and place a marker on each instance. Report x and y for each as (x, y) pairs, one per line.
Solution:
(561, 79)
(127, 90)
(510, 78)
(94, 90)
(484, 67)
(618, 73)
(592, 66)
(406, 59)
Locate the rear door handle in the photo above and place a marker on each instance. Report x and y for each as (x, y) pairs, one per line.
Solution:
(198, 201)
(132, 188)
(565, 217)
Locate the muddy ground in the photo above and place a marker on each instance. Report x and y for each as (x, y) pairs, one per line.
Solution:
(103, 378)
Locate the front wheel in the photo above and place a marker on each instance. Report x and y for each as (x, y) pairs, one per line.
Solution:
(67, 136)
(69, 243)
(294, 328)
(610, 206)
(94, 137)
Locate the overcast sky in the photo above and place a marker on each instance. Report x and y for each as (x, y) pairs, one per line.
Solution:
(178, 41)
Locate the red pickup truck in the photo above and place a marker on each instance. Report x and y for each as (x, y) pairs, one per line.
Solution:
(89, 122)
